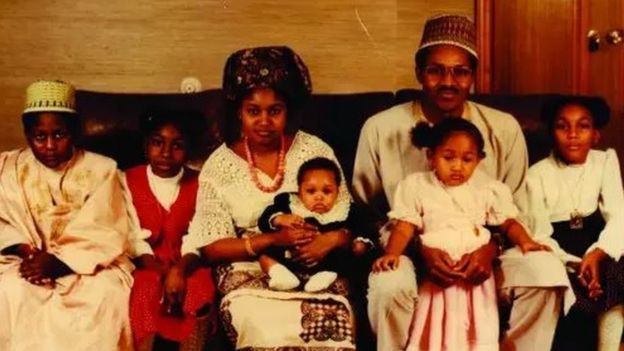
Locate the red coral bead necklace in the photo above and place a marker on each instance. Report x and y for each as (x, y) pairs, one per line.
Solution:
(281, 167)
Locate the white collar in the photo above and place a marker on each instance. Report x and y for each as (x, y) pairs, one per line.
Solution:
(171, 180)
(338, 213)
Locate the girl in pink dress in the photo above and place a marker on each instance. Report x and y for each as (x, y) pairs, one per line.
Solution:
(449, 208)
(165, 300)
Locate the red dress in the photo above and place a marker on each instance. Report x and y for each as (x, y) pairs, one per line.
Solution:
(167, 229)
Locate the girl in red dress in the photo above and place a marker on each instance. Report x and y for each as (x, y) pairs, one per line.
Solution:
(166, 301)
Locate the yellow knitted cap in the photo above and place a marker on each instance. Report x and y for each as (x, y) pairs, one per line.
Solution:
(50, 96)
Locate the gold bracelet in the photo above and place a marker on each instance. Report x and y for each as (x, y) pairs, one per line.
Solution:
(250, 251)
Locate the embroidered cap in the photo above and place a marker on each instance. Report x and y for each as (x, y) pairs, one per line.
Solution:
(450, 29)
(275, 67)
(50, 96)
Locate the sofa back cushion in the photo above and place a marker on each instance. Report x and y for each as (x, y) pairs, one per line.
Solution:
(111, 120)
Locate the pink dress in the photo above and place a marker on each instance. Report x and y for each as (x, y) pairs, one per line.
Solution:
(462, 316)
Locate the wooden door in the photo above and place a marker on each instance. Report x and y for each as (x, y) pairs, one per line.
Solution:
(605, 73)
(541, 46)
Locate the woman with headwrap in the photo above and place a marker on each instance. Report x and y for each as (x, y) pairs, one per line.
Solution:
(265, 88)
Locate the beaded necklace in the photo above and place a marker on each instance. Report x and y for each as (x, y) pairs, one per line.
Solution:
(281, 167)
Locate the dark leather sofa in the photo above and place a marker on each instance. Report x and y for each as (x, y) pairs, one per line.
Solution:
(111, 120)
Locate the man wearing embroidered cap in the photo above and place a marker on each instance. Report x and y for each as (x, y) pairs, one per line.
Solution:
(64, 281)
(445, 64)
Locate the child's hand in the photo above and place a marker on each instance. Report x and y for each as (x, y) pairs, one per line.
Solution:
(386, 262)
(150, 262)
(575, 266)
(594, 291)
(589, 272)
(289, 221)
(519, 236)
(359, 247)
(25, 251)
(32, 272)
(531, 245)
(43, 268)
(293, 237)
(175, 289)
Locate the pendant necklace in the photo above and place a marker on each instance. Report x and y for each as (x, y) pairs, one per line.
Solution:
(458, 205)
(576, 217)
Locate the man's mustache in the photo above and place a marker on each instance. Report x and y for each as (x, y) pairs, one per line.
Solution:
(449, 89)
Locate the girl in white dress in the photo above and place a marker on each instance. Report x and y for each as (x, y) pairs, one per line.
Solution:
(450, 207)
(577, 208)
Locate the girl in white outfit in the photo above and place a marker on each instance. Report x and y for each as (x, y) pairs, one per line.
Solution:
(450, 207)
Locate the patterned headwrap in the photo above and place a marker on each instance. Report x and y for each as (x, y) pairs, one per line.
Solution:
(450, 30)
(275, 67)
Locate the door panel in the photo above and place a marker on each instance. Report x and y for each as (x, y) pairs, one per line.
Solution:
(531, 46)
(606, 69)
(540, 46)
